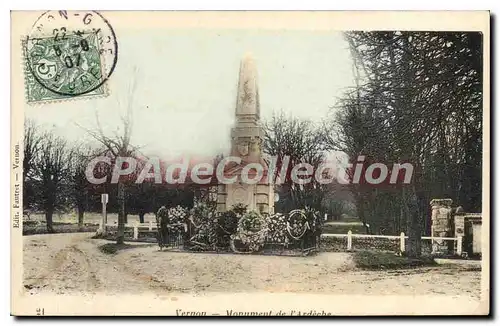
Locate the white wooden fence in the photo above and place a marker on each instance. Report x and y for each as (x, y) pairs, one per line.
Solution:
(148, 227)
(402, 238)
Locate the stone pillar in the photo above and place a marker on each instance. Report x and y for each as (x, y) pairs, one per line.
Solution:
(442, 225)
(459, 222)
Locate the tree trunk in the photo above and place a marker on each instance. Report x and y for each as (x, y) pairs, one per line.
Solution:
(80, 216)
(414, 244)
(48, 219)
(360, 205)
(120, 233)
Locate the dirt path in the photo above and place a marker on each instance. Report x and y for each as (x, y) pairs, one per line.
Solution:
(69, 263)
(64, 263)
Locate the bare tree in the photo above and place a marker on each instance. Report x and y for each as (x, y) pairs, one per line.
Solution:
(117, 145)
(32, 140)
(51, 175)
(80, 187)
(302, 142)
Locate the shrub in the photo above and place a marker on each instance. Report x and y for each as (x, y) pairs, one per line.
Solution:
(203, 227)
(227, 223)
(113, 248)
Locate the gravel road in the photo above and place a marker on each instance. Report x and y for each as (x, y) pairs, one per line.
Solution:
(72, 263)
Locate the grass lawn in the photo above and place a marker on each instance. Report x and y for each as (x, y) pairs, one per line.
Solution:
(68, 223)
(113, 248)
(376, 260)
(344, 228)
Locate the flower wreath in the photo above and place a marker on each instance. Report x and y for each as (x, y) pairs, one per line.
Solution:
(276, 225)
(177, 218)
(297, 224)
(252, 231)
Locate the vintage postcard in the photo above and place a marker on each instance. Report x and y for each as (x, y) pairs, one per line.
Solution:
(250, 163)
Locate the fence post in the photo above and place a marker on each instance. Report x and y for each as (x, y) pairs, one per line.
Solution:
(349, 240)
(150, 225)
(433, 250)
(459, 245)
(104, 201)
(402, 242)
(136, 232)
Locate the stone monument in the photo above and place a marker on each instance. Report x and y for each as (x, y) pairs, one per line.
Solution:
(246, 143)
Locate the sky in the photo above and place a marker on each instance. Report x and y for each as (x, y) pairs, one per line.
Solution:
(186, 82)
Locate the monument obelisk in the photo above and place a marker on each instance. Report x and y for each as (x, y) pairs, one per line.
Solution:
(246, 142)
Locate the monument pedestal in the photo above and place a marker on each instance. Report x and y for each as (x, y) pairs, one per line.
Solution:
(257, 197)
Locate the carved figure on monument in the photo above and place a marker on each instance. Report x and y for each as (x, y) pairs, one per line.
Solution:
(246, 97)
(255, 146)
(242, 148)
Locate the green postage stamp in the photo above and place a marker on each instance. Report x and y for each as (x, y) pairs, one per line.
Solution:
(57, 69)
(68, 56)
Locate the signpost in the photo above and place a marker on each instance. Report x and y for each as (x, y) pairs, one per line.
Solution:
(104, 201)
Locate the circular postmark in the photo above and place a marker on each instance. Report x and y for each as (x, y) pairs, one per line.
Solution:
(71, 52)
